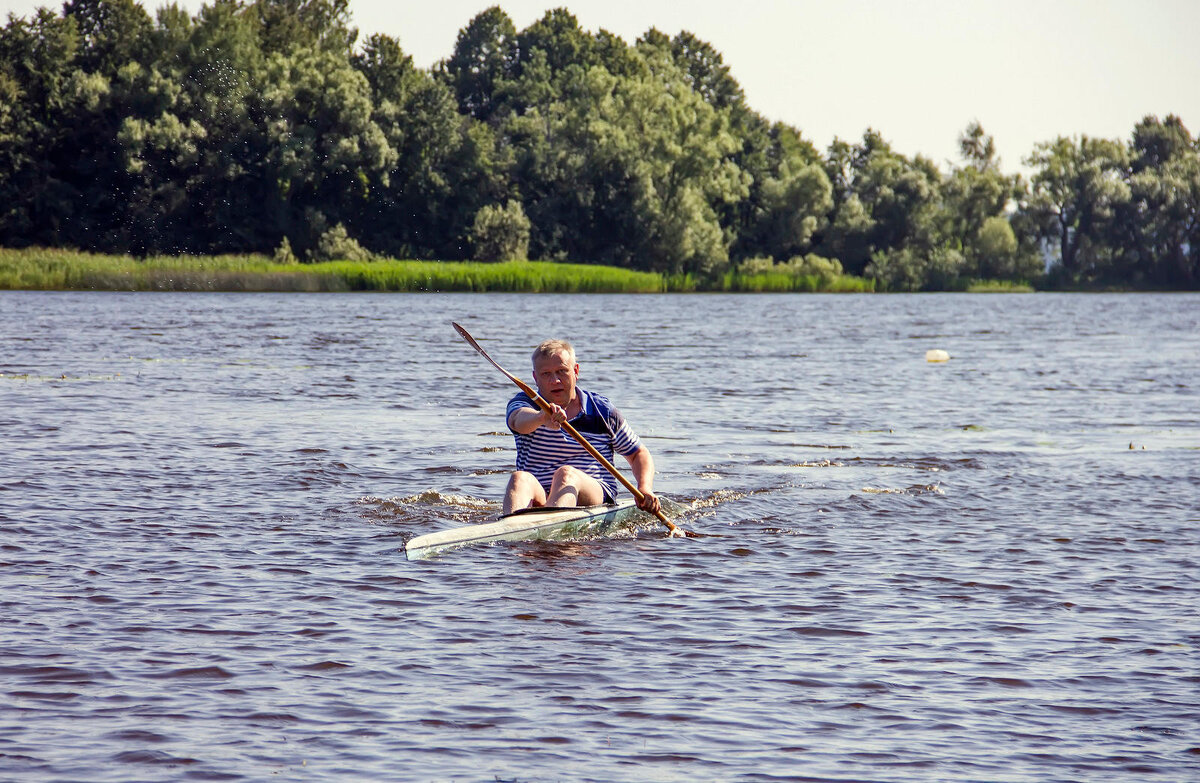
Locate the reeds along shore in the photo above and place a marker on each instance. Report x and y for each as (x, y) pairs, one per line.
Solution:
(42, 269)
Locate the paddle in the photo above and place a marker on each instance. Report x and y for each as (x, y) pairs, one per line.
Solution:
(676, 531)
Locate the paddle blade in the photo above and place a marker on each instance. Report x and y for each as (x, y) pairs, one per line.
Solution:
(467, 336)
(471, 341)
(520, 383)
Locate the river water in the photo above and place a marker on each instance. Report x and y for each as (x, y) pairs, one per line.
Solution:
(978, 570)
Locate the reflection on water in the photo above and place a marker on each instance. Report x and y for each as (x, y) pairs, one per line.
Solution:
(981, 569)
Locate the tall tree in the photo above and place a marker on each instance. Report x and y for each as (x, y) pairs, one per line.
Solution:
(1155, 142)
(978, 148)
(558, 35)
(112, 33)
(485, 54)
(684, 171)
(977, 196)
(703, 65)
(883, 202)
(790, 197)
(1158, 229)
(323, 144)
(305, 24)
(1076, 188)
(36, 70)
(446, 167)
(625, 169)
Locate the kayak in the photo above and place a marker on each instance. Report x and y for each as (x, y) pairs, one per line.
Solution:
(546, 522)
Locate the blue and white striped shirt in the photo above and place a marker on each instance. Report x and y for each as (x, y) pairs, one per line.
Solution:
(544, 450)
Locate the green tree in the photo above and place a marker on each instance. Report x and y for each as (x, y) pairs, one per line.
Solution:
(559, 37)
(791, 200)
(485, 54)
(155, 150)
(995, 250)
(703, 66)
(978, 148)
(1158, 229)
(70, 79)
(629, 166)
(221, 65)
(1076, 189)
(1156, 142)
(883, 202)
(977, 198)
(848, 236)
(1175, 223)
(917, 269)
(333, 244)
(446, 166)
(610, 52)
(323, 144)
(285, 25)
(656, 161)
(112, 33)
(36, 71)
(686, 172)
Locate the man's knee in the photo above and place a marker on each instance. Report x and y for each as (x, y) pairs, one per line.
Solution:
(576, 485)
(521, 478)
(523, 491)
(568, 474)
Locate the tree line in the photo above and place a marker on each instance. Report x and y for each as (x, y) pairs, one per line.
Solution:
(268, 127)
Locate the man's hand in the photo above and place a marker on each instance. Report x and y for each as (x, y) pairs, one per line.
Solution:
(650, 503)
(555, 417)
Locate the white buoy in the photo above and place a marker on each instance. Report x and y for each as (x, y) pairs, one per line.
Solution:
(937, 355)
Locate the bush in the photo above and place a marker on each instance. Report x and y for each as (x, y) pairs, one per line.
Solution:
(336, 244)
(909, 269)
(284, 254)
(812, 264)
(756, 266)
(996, 248)
(809, 273)
(501, 233)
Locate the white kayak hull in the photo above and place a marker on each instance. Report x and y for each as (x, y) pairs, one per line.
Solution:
(530, 524)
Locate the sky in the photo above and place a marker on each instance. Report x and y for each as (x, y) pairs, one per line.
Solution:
(916, 71)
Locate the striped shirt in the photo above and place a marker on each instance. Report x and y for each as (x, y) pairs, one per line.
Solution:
(544, 450)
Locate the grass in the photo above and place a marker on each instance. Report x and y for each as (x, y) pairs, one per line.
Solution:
(45, 269)
(36, 268)
(784, 282)
(998, 287)
(522, 276)
(69, 270)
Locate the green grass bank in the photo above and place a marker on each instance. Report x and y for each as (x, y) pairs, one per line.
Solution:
(67, 270)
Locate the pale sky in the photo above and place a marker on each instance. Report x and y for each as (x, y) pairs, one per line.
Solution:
(918, 71)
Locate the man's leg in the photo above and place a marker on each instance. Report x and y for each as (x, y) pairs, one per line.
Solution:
(523, 491)
(573, 487)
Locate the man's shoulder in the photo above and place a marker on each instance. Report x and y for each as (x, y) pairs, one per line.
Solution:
(597, 414)
(597, 403)
(521, 397)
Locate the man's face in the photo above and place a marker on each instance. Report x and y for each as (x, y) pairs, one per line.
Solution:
(555, 377)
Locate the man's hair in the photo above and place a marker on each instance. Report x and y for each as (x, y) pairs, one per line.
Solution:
(553, 348)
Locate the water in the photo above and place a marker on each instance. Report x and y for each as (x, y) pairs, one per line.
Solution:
(979, 570)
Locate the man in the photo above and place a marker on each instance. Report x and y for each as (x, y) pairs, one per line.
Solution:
(552, 468)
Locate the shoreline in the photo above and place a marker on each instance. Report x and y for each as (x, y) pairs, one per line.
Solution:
(69, 270)
(43, 269)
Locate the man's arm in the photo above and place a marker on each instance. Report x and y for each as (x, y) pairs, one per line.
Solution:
(643, 471)
(526, 420)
